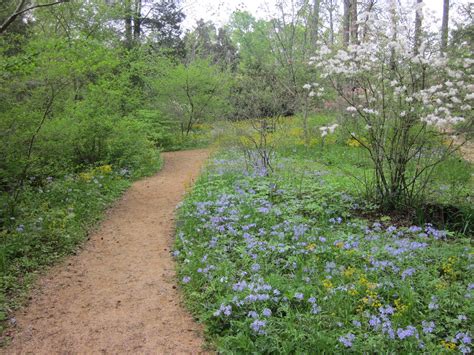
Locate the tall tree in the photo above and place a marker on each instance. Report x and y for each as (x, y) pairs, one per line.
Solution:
(315, 18)
(137, 20)
(226, 52)
(354, 25)
(158, 21)
(163, 24)
(445, 26)
(346, 22)
(331, 6)
(394, 30)
(128, 23)
(418, 23)
(368, 11)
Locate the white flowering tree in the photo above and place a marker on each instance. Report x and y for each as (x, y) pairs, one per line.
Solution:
(401, 104)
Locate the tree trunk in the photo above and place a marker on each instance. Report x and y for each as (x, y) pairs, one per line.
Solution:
(128, 24)
(354, 25)
(418, 22)
(370, 6)
(137, 18)
(394, 22)
(444, 26)
(331, 22)
(346, 22)
(315, 27)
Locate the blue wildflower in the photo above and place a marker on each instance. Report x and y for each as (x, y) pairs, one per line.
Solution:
(347, 339)
(434, 303)
(463, 337)
(299, 296)
(258, 325)
(252, 314)
(408, 272)
(255, 267)
(186, 279)
(374, 322)
(267, 312)
(407, 332)
(428, 327)
(223, 309)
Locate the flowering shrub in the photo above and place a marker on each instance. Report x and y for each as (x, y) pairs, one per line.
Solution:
(272, 264)
(399, 102)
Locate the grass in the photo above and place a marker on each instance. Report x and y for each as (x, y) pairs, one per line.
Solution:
(52, 220)
(287, 263)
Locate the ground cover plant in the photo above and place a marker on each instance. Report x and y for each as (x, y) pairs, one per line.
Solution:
(282, 263)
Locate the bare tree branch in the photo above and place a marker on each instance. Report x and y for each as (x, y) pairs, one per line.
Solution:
(20, 11)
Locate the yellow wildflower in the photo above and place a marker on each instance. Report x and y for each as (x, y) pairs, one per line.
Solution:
(105, 169)
(351, 142)
(449, 267)
(328, 284)
(311, 246)
(349, 272)
(86, 176)
(448, 345)
(400, 306)
(353, 292)
(363, 281)
(371, 285)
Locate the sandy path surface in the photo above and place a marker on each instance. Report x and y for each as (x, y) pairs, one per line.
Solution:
(118, 295)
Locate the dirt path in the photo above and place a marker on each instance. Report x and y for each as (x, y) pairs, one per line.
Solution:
(119, 295)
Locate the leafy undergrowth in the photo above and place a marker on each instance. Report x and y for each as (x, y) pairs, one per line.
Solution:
(281, 264)
(51, 221)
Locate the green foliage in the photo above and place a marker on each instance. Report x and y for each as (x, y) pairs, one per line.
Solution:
(207, 42)
(192, 94)
(72, 134)
(273, 68)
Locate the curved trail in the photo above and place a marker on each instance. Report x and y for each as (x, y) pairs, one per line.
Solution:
(118, 295)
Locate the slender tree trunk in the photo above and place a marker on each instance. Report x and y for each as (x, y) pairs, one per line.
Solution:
(331, 22)
(137, 18)
(394, 21)
(418, 23)
(346, 22)
(370, 7)
(445, 26)
(128, 24)
(354, 26)
(315, 17)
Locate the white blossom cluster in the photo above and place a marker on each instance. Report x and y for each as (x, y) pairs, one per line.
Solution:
(314, 90)
(328, 129)
(449, 102)
(384, 76)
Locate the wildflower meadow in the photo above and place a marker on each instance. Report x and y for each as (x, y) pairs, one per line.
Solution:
(281, 264)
